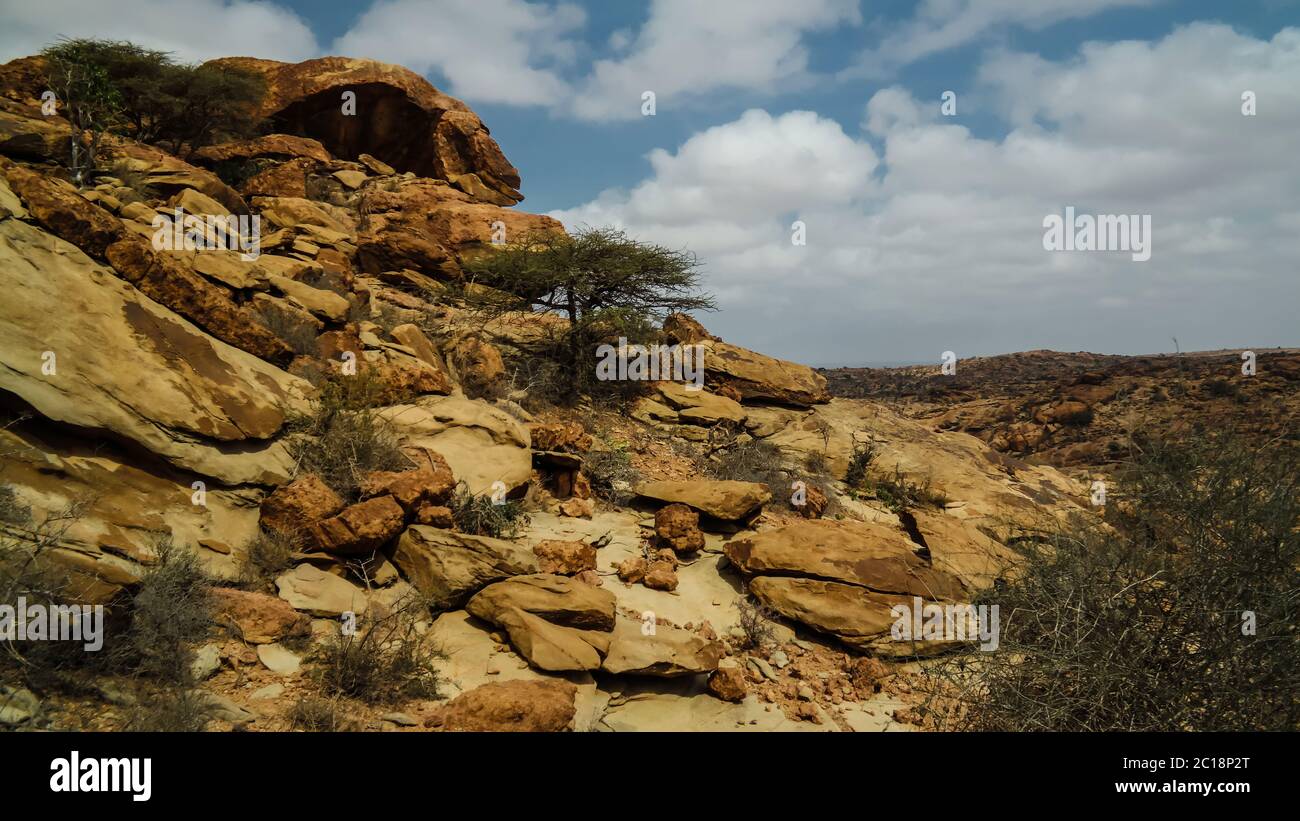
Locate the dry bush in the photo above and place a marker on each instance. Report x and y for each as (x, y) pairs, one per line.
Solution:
(170, 612)
(299, 336)
(756, 622)
(611, 473)
(320, 715)
(386, 660)
(344, 438)
(268, 554)
(480, 516)
(1144, 622)
(177, 709)
(752, 460)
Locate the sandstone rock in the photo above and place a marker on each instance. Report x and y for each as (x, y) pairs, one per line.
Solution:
(431, 484)
(564, 558)
(727, 500)
(578, 508)
(284, 146)
(286, 179)
(539, 706)
(278, 659)
(480, 443)
(412, 337)
(290, 212)
(661, 575)
(549, 646)
(167, 174)
(869, 555)
(678, 527)
(299, 504)
(557, 599)
(196, 202)
(449, 567)
(379, 167)
(350, 178)
(325, 304)
(568, 437)
(728, 683)
(669, 652)
(814, 502)
(407, 122)
(632, 569)
(183, 393)
(683, 329)
(319, 593)
(853, 614)
(435, 516)
(360, 528)
(256, 617)
(757, 376)
(477, 366)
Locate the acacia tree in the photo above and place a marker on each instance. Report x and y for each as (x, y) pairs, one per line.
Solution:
(109, 85)
(601, 280)
(92, 102)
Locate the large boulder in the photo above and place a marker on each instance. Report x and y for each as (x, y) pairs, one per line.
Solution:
(449, 567)
(721, 499)
(556, 623)
(759, 377)
(866, 554)
(400, 118)
(359, 529)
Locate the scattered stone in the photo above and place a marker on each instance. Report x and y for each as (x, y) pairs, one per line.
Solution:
(278, 659)
(256, 617)
(299, 504)
(319, 593)
(678, 527)
(537, 706)
(565, 558)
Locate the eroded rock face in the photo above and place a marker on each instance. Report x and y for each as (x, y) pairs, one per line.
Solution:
(133, 368)
(256, 617)
(480, 443)
(400, 118)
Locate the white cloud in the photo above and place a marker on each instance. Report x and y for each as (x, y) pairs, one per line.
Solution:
(939, 25)
(194, 30)
(491, 51)
(687, 50)
(939, 245)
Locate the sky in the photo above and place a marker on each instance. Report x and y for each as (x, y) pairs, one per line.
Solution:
(922, 224)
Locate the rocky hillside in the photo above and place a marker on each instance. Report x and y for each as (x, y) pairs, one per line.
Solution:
(1078, 410)
(657, 574)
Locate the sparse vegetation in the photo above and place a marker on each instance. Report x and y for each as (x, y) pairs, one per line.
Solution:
(1178, 614)
(169, 614)
(345, 439)
(864, 453)
(611, 472)
(481, 516)
(388, 659)
(756, 622)
(750, 460)
(267, 555)
(319, 715)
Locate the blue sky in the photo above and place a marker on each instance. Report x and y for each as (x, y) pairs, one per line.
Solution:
(924, 230)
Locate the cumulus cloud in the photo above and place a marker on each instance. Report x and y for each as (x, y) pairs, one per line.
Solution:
(490, 51)
(687, 50)
(194, 30)
(923, 237)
